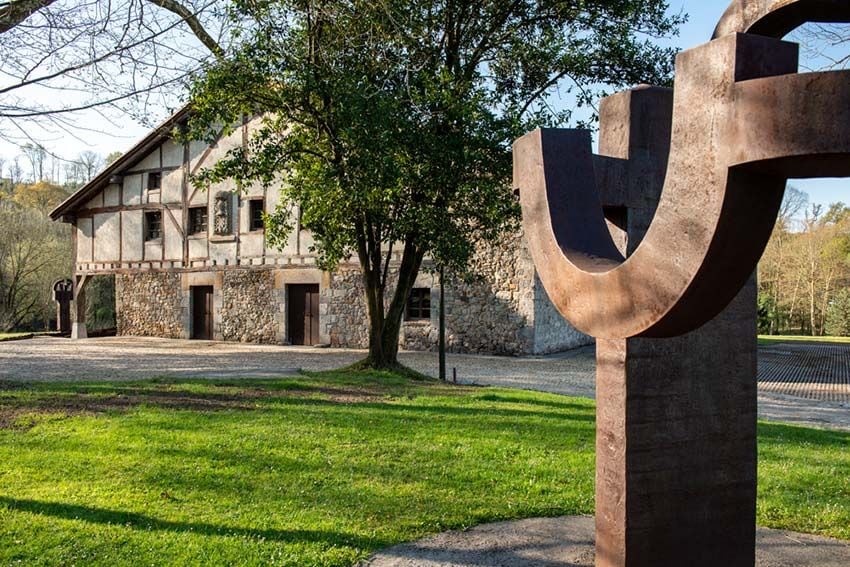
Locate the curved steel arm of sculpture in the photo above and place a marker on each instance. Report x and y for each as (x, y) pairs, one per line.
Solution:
(776, 18)
(742, 125)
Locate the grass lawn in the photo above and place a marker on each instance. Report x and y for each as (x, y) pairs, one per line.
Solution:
(322, 470)
(773, 339)
(14, 336)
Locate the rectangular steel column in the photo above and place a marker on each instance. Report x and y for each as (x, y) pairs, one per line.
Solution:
(676, 445)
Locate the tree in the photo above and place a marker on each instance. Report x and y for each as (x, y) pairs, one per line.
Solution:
(34, 252)
(838, 315)
(41, 196)
(391, 121)
(824, 45)
(62, 58)
(90, 162)
(111, 157)
(772, 267)
(36, 154)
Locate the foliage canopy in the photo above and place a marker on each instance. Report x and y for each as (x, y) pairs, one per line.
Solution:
(390, 123)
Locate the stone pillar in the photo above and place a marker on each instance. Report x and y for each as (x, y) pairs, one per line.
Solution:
(78, 309)
(676, 445)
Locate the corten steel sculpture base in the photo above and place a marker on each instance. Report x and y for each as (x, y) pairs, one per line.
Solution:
(665, 282)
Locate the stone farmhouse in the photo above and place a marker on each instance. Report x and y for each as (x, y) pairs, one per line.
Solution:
(195, 264)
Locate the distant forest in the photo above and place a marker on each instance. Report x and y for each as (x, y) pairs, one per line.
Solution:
(804, 275)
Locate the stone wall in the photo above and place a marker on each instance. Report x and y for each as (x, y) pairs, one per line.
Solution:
(502, 310)
(552, 333)
(249, 307)
(150, 304)
(493, 313)
(342, 309)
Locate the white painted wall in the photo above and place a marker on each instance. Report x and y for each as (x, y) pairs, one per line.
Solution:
(107, 237)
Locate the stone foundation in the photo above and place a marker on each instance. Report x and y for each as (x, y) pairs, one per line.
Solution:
(504, 310)
(150, 304)
(249, 304)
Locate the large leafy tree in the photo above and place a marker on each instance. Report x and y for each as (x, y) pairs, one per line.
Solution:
(389, 122)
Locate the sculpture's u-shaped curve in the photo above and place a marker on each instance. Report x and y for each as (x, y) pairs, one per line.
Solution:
(741, 126)
(777, 18)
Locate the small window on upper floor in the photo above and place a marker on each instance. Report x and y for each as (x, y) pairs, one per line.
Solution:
(153, 225)
(198, 220)
(255, 210)
(419, 304)
(154, 180)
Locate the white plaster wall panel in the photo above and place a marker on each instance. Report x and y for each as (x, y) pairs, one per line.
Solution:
(254, 189)
(198, 197)
(107, 238)
(306, 242)
(251, 245)
(133, 189)
(95, 202)
(153, 251)
(150, 161)
(172, 186)
(218, 150)
(112, 195)
(197, 247)
(173, 238)
(131, 235)
(222, 252)
(196, 149)
(84, 233)
(172, 154)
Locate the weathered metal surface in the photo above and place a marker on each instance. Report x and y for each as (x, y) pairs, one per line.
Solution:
(672, 301)
(776, 18)
(741, 126)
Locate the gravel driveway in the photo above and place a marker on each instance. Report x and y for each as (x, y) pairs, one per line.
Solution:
(571, 373)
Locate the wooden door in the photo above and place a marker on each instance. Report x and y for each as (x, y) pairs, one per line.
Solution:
(202, 312)
(303, 314)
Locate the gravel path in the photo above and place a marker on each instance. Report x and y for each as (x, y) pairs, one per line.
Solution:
(568, 542)
(571, 373)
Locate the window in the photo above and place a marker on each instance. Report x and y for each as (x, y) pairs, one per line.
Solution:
(419, 304)
(198, 220)
(153, 225)
(256, 211)
(154, 180)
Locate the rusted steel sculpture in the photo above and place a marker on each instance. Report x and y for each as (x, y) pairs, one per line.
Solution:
(673, 308)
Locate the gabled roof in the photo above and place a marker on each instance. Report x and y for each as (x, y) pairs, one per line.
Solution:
(128, 159)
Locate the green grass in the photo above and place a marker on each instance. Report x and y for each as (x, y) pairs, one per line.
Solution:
(774, 339)
(14, 336)
(321, 470)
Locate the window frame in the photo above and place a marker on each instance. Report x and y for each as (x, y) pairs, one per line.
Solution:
(154, 175)
(149, 237)
(193, 227)
(252, 204)
(414, 310)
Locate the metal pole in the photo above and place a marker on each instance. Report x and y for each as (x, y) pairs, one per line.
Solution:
(442, 343)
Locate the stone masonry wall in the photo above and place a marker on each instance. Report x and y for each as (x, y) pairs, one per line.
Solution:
(249, 303)
(494, 313)
(150, 304)
(502, 311)
(552, 333)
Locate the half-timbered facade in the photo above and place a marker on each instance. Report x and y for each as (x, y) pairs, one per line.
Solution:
(191, 263)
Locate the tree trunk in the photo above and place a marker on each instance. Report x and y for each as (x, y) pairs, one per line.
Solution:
(385, 324)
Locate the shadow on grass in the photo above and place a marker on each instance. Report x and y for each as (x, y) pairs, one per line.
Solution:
(782, 434)
(137, 521)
